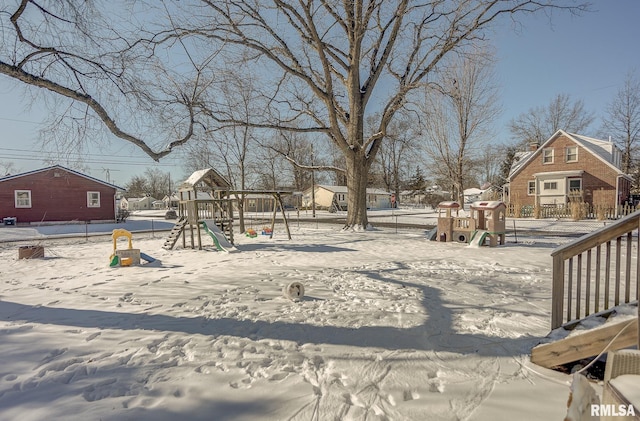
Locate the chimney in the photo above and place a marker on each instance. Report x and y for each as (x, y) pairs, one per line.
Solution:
(533, 146)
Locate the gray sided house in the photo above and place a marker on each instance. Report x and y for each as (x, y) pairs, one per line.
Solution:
(334, 198)
(137, 203)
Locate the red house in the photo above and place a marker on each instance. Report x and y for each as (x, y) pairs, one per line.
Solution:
(56, 194)
(569, 165)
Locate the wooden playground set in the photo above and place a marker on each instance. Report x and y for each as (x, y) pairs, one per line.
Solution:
(206, 206)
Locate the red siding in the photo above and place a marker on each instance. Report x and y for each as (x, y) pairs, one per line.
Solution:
(56, 195)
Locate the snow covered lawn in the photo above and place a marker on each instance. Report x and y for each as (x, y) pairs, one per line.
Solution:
(391, 327)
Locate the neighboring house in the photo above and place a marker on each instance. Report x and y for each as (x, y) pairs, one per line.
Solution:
(256, 202)
(472, 194)
(171, 202)
(335, 198)
(57, 194)
(568, 165)
(139, 203)
(412, 197)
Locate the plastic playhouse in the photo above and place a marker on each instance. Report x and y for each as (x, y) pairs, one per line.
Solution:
(128, 256)
(487, 222)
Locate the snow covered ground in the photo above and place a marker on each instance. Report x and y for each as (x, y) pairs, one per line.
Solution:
(392, 327)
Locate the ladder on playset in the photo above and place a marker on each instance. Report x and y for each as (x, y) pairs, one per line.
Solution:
(177, 229)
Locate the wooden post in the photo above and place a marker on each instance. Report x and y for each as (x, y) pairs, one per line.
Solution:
(273, 218)
(284, 215)
(557, 291)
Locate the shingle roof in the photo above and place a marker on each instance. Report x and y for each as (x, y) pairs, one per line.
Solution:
(602, 149)
(79, 174)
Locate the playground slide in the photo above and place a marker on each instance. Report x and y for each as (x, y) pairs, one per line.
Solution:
(478, 238)
(218, 237)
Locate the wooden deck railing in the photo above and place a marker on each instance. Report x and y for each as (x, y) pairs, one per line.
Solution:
(596, 272)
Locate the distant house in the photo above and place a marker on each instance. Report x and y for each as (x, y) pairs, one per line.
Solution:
(256, 202)
(171, 202)
(335, 198)
(137, 203)
(568, 166)
(472, 194)
(57, 194)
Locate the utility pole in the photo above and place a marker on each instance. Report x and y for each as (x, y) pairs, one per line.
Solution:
(313, 186)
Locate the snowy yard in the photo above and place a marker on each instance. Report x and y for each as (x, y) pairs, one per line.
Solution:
(391, 327)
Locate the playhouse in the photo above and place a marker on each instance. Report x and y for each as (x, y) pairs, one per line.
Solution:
(489, 217)
(487, 221)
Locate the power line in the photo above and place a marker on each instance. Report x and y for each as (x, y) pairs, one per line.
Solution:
(29, 155)
(90, 161)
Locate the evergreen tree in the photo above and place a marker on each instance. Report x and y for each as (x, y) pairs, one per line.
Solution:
(417, 181)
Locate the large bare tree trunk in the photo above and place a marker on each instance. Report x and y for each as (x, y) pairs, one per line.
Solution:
(357, 178)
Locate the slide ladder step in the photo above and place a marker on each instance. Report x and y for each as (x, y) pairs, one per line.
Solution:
(177, 229)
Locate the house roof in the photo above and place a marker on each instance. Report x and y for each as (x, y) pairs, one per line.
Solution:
(343, 189)
(601, 149)
(60, 167)
(472, 191)
(140, 199)
(487, 205)
(209, 176)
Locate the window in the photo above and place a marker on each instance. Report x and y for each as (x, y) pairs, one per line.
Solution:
(550, 185)
(23, 198)
(575, 184)
(572, 154)
(547, 156)
(93, 199)
(532, 188)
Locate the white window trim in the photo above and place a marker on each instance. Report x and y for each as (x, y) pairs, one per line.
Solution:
(529, 188)
(89, 204)
(15, 195)
(566, 154)
(544, 156)
(551, 185)
(573, 179)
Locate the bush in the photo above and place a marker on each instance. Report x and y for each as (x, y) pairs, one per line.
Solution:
(434, 199)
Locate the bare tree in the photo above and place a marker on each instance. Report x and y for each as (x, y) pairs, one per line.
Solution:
(137, 186)
(233, 149)
(622, 120)
(158, 183)
(321, 63)
(7, 168)
(396, 157)
(540, 123)
(154, 183)
(488, 164)
(459, 117)
(102, 73)
(296, 148)
(331, 57)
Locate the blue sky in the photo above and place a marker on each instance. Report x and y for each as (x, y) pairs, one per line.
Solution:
(586, 57)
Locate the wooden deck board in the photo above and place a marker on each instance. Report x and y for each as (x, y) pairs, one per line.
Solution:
(586, 344)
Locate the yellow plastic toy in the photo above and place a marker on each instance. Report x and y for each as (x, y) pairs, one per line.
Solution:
(126, 257)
